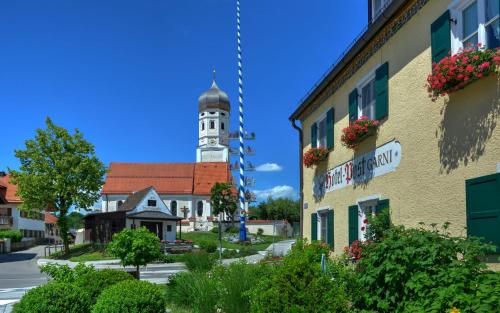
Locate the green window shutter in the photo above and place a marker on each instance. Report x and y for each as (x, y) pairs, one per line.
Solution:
(330, 228)
(353, 105)
(382, 91)
(382, 204)
(440, 37)
(314, 226)
(353, 223)
(330, 118)
(314, 135)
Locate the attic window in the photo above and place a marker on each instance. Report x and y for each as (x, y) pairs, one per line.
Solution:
(152, 203)
(378, 6)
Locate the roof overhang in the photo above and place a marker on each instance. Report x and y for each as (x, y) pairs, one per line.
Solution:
(153, 215)
(358, 45)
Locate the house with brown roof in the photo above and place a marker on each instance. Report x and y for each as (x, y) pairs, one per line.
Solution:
(31, 224)
(181, 190)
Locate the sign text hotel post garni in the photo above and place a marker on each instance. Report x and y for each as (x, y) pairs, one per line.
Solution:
(380, 161)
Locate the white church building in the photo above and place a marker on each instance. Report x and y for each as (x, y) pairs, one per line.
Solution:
(184, 188)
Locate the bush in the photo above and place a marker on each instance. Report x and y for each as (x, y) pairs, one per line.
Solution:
(96, 281)
(417, 268)
(14, 235)
(64, 273)
(208, 246)
(194, 290)
(378, 225)
(54, 297)
(131, 296)
(199, 261)
(233, 230)
(215, 230)
(299, 285)
(260, 232)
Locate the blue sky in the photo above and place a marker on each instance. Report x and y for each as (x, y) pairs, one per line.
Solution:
(128, 73)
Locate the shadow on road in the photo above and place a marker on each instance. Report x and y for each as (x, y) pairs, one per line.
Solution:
(16, 257)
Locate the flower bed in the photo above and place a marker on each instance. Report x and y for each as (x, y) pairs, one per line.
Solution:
(314, 156)
(454, 72)
(357, 131)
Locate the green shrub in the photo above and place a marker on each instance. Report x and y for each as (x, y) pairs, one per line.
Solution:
(208, 246)
(194, 290)
(233, 230)
(14, 235)
(417, 268)
(230, 254)
(64, 273)
(131, 296)
(96, 281)
(236, 281)
(299, 286)
(215, 230)
(54, 297)
(199, 261)
(378, 225)
(260, 232)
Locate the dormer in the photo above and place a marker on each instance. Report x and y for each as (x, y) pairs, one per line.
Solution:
(375, 9)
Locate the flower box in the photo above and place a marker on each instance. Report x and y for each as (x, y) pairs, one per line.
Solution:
(454, 72)
(314, 156)
(357, 131)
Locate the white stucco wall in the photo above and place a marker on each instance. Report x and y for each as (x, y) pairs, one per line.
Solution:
(23, 223)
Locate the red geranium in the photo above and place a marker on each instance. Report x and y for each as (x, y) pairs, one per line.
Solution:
(355, 251)
(454, 72)
(357, 131)
(315, 155)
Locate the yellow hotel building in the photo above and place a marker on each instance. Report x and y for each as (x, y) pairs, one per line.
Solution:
(430, 162)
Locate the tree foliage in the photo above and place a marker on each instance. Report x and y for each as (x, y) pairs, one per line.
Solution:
(135, 247)
(223, 199)
(58, 170)
(277, 209)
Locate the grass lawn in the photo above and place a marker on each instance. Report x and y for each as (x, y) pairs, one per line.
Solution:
(199, 236)
(83, 253)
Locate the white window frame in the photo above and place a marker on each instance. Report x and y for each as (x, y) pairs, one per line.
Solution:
(371, 201)
(320, 212)
(359, 86)
(321, 118)
(456, 8)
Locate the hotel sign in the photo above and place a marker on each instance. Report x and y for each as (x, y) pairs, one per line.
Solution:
(359, 170)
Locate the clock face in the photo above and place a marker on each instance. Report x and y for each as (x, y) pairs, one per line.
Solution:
(212, 142)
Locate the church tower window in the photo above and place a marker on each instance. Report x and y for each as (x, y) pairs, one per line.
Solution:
(212, 124)
(222, 126)
(199, 209)
(202, 126)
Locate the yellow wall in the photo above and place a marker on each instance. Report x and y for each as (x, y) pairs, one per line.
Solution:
(443, 143)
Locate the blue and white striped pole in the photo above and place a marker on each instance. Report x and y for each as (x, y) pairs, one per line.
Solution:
(243, 231)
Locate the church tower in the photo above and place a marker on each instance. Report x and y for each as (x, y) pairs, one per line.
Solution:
(213, 123)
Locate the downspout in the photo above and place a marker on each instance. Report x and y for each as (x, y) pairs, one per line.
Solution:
(301, 177)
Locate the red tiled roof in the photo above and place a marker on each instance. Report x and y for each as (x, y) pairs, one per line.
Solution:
(166, 178)
(10, 193)
(50, 218)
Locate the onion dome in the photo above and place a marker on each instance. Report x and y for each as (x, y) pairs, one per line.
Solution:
(213, 98)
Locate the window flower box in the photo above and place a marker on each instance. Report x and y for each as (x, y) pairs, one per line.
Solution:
(454, 72)
(314, 156)
(357, 131)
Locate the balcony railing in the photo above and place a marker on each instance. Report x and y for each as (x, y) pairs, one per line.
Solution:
(6, 220)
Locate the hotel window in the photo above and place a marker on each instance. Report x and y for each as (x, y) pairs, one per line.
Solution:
(322, 131)
(152, 203)
(323, 222)
(473, 22)
(367, 105)
(321, 141)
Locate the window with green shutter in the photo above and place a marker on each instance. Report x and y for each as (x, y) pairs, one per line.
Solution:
(353, 223)
(314, 226)
(353, 105)
(440, 37)
(330, 228)
(382, 91)
(314, 135)
(382, 204)
(330, 120)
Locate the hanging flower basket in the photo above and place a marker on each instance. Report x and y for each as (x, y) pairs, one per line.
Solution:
(314, 156)
(358, 131)
(454, 72)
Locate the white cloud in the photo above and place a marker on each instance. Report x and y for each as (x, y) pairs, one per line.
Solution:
(269, 167)
(276, 192)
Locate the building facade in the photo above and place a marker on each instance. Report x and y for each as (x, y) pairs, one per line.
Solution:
(431, 162)
(31, 225)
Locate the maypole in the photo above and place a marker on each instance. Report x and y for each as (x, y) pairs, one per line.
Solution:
(243, 232)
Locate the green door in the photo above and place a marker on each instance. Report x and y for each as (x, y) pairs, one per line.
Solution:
(483, 208)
